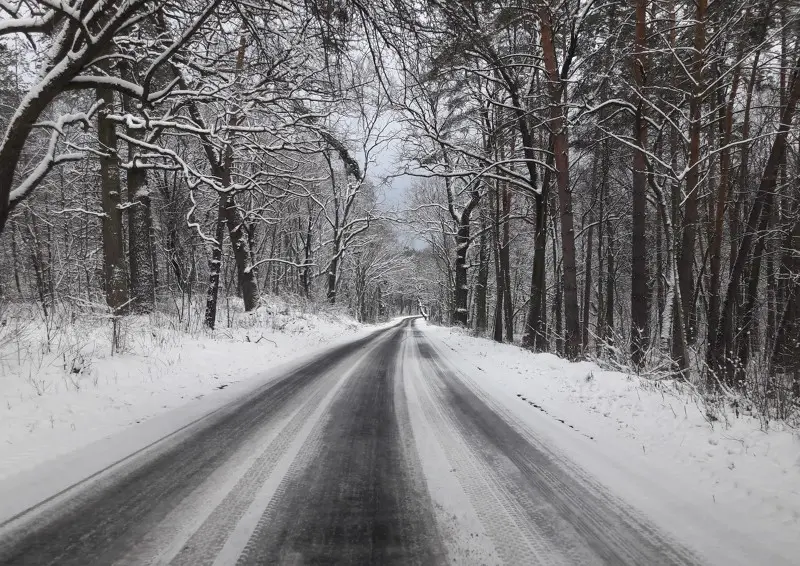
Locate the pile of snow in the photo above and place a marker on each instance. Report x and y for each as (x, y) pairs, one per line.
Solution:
(63, 386)
(651, 442)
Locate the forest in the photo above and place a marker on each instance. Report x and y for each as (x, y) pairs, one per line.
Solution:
(613, 180)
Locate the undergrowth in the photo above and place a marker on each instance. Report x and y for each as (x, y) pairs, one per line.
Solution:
(58, 350)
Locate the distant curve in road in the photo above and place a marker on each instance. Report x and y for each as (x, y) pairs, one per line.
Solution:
(378, 452)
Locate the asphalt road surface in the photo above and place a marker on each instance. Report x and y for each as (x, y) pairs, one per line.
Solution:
(378, 452)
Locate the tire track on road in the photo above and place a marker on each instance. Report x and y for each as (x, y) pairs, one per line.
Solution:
(513, 536)
(352, 499)
(285, 456)
(588, 521)
(104, 520)
(205, 539)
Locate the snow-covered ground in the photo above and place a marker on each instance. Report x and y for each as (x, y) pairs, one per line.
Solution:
(726, 487)
(64, 392)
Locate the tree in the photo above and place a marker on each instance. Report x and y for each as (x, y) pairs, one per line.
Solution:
(639, 309)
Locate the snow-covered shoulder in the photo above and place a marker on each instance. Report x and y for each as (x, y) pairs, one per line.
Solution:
(67, 388)
(729, 489)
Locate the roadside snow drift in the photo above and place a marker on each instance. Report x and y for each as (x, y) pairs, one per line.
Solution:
(62, 387)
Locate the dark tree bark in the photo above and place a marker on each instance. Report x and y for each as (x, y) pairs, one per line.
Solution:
(601, 257)
(215, 267)
(690, 215)
(639, 291)
(333, 271)
(141, 249)
(587, 286)
(557, 332)
(463, 239)
(15, 260)
(245, 273)
(222, 168)
(305, 271)
(140, 246)
(535, 337)
(505, 266)
(498, 271)
(558, 125)
(228, 215)
(610, 284)
(114, 274)
(481, 286)
(746, 325)
(726, 113)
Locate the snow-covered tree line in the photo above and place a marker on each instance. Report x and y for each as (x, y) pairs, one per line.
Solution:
(615, 179)
(160, 153)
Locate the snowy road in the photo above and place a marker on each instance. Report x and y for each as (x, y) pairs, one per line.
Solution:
(378, 452)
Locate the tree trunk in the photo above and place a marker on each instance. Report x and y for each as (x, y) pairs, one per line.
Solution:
(690, 216)
(558, 125)
(639, 292)
(245, 273)
(505, 266)
(141, 249)
(113, 248)
(215, 267)
(333, 272)
(601, 229)
(746, 327)
(610, 283)
(671, 331)
(587, 286)
(481, 286)
(499, 297)
(230, 215)
(140, 238)
(715, 251)
(535, 337)
(743, 174)
(498, 270)
(558, 279)
(460, 293)
(15, 260)
(305, 272)
(460, 315)
(726, 111)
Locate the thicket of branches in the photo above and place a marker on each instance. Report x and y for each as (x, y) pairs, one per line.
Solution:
(613, 179)
(161, 153)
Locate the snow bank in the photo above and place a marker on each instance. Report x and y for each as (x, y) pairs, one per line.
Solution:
(728, 488)
(62, 387)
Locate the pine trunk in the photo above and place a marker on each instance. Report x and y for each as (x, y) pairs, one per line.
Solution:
(558, 125)
(639, 291)
(690, 215)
